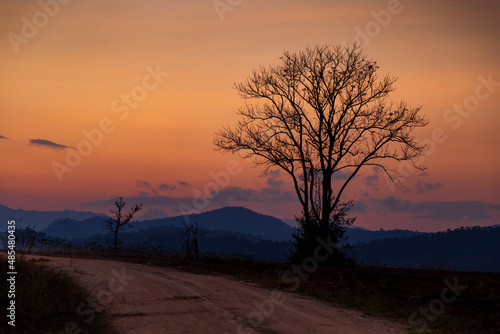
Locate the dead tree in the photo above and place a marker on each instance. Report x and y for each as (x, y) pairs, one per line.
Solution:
(191, 233)
(119, 219)
(320, 112)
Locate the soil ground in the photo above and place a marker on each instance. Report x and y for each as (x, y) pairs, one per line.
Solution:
(150, 299)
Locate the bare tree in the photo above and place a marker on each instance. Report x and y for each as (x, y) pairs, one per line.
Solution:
(119, 218)
(323, 111)
(191, 233)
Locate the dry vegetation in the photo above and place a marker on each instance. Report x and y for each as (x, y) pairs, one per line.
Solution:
(46, 301)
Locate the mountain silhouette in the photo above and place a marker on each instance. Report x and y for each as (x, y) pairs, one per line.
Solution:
(466, 248)
(73, 229)
(232, 219)
(235, 219)
(41, 219)
(241, 231)
(152, 214)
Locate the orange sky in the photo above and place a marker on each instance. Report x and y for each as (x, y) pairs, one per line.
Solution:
(71, 73)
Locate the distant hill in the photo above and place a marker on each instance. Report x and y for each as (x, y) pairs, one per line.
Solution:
(231, 219)
(152, 214)
(466, 249)
(40, 219)
(235, 219)
(73, 229)
(356, 234)
(240, 231)
(291, 222)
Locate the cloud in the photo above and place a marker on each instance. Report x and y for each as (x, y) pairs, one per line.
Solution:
(238, 194)
(371, 180)
(423, 187)
(142, 183)
(341, 175)
(225, 197)
(147, 186)
(437, 210)
(266, 194)
(166, 187)
(3, 137)
(273, 180)
(359, 207)
(48, 144)
(273, 192)
(145, 199)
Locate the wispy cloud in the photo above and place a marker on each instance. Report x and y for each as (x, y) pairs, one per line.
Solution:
(3, 137)
(48, 144)
(148, 189)
(341, 175)
(145, 199)
(267, 194)
(166, 187)
(371, 180)
(423, 187)
(274, 192)
(273, 180)
(359, 207)
(147, 186)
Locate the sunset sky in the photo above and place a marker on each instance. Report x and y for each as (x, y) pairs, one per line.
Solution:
(151, 81)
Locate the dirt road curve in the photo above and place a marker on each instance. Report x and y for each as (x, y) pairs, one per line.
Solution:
(146, 299)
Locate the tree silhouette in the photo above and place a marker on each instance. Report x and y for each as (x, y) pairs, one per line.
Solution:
(120, 219)
(191, 233)
(324, 114)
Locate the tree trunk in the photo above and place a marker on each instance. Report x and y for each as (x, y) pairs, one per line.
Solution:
(115, 243)
(326, 208)
(195, 249)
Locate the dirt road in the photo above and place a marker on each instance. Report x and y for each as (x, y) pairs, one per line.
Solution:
(146, 299)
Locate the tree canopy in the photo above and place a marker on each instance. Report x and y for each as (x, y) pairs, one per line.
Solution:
(320, 113)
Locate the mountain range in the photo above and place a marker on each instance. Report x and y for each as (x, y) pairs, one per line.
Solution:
(72, 224)
(237, 230)
(41, 219)
(232, 219)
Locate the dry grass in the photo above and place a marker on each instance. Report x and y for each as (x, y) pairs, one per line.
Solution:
(47, 301)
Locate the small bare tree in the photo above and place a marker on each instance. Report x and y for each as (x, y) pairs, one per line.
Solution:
(119, 219)
(190, 234)
(323, 112)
